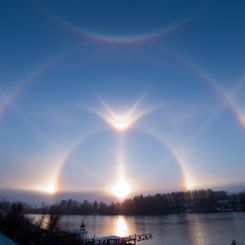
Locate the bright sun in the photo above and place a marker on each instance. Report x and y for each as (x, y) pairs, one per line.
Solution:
(51, 188)
(121, 188)
(121, 123)
(189, 184)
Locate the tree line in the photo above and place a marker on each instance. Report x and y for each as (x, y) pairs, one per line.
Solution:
(198, 201)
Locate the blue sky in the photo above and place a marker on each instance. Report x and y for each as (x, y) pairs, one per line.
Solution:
(62, 63)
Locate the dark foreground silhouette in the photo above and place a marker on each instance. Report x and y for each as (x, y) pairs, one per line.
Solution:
(26, 231)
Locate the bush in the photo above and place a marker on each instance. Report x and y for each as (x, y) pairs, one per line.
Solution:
(27, 231)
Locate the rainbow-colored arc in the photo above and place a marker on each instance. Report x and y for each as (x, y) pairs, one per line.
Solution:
(115, 39)
(227, 99)
(120, 39)
(23, 84)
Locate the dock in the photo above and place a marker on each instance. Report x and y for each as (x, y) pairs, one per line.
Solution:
(117, 240)
(110, 240)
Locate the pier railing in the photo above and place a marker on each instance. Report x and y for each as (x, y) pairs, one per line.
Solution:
(143, 237)
(132, 239)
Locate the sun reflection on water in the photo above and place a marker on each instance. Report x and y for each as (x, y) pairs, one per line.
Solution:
(121, 227)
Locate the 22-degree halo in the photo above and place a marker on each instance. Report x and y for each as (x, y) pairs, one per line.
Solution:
(185, 177)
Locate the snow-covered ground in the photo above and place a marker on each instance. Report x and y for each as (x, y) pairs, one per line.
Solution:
(5, 241)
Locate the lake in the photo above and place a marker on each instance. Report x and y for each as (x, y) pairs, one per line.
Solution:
(214, 228)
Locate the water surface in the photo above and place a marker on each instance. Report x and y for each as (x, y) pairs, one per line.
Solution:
(186, 229)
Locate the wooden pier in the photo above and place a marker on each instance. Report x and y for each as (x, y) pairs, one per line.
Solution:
(117, 240)
(143, 237)
(109, 240)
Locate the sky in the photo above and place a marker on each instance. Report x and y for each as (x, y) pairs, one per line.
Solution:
(145, 96)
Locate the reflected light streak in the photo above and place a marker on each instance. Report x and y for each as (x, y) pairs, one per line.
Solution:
(121, 227)
(197, 231)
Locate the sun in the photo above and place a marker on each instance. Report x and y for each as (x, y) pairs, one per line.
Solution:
(51, 188)
(121, 188)
(189, 184)
(121, 123)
